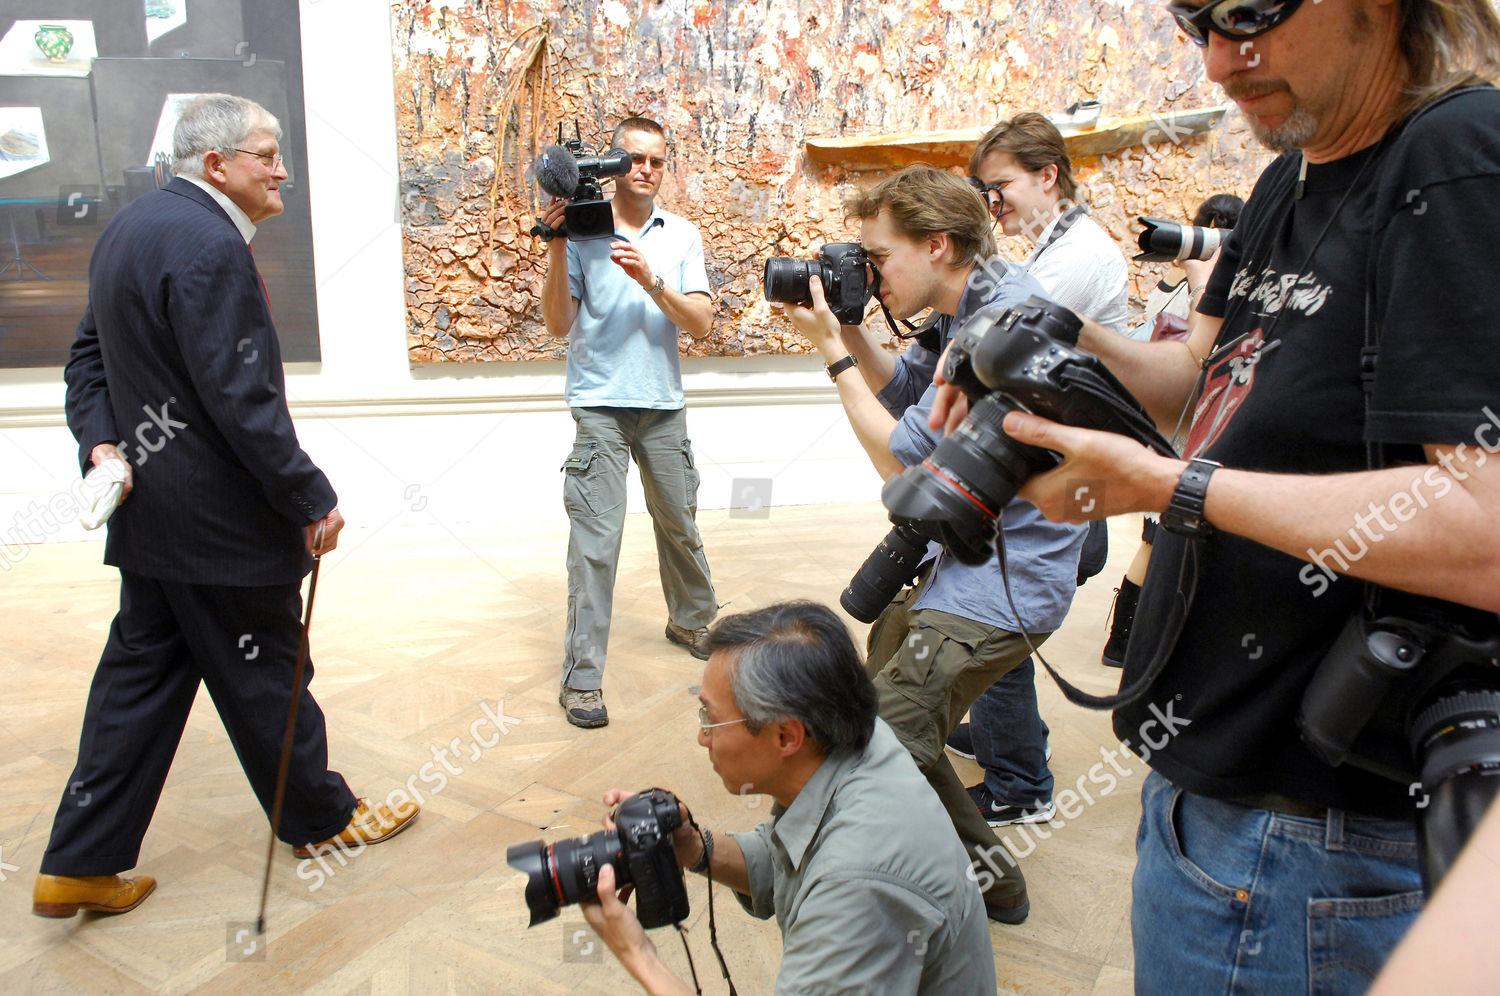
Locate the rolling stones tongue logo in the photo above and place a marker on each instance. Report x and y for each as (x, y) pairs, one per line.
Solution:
(1229, 381)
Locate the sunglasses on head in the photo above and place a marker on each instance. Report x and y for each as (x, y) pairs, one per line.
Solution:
(1232, 19)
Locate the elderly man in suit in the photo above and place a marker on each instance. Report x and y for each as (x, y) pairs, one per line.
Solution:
(176, 371)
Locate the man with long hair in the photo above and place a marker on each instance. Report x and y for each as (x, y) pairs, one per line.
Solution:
(1340, 453)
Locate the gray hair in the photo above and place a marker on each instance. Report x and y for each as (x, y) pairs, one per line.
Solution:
(795, 660)
(219, 121)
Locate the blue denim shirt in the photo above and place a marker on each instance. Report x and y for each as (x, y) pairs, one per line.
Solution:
(1041, 557)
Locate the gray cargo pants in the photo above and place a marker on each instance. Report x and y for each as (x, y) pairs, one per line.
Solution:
(594, 495)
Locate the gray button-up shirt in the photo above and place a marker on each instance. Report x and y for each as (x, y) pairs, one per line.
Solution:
(869, 883)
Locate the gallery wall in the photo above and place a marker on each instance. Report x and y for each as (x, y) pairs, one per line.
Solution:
(742, 90)
(475, 449)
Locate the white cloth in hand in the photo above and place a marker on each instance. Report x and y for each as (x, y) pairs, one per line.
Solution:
(102, 487)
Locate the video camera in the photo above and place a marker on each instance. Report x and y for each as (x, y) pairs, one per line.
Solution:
(1025, 358)
(568, 170)
(640, 849)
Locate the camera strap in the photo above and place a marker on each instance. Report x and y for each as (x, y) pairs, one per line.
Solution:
(1182, 601)
(1369, 356)
(713, 929)
(1060, 228)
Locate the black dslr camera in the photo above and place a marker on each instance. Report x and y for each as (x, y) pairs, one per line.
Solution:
(1415, 697)
(1025, 358)
(848, 279)
(640, 849)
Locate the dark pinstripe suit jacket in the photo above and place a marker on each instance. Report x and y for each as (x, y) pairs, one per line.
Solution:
(177, 360)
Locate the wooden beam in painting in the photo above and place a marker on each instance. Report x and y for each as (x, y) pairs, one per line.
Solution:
(952, 148)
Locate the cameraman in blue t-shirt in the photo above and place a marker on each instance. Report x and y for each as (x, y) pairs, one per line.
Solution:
(620, 303)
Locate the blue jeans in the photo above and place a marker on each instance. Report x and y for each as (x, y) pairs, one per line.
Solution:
(1229, 899)
(1010, 740)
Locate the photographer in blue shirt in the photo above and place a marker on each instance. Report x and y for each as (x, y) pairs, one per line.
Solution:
(938, 645)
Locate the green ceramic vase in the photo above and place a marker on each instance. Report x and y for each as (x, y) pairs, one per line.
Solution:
(54, 41)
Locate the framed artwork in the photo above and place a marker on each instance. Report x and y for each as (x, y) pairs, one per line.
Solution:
(89, 93)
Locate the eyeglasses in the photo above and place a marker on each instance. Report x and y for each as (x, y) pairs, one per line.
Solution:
(993, 196)
(274, 159)
(1232, 19)
(705, 725)
(657, 162)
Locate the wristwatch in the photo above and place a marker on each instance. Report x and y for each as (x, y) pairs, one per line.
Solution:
(839, 366)
(657, 287)
(1184, 514)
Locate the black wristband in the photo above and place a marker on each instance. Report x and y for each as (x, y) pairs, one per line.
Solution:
(839, 366)
(1184, 513)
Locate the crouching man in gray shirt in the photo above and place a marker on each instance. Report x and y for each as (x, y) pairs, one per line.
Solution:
(859, 862)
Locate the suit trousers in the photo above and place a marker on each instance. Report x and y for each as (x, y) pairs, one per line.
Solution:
(594, 496)
(240, 642)
(928, 668)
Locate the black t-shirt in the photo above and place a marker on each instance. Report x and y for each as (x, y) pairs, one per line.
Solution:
(1418, 212)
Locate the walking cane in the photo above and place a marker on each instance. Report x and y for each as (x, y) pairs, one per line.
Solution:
(291, 722)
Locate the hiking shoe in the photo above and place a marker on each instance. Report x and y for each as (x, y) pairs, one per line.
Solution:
(584, 707)
(1127, 596)
(997, 815)
(696, 640)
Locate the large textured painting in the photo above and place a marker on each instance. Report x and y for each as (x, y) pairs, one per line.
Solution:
(775, 112)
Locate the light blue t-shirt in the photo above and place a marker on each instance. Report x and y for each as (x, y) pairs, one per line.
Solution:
(622, 350)
(1041, 557)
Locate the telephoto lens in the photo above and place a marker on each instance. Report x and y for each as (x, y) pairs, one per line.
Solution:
(1165, 241)
(884, 573)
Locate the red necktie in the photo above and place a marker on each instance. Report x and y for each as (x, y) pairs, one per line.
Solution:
(257, 274)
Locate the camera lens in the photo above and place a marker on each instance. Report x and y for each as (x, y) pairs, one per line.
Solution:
(884, 573)
(786, 280)
(1164, 241)
(1456, 740)
(563, 873)
(959, 492)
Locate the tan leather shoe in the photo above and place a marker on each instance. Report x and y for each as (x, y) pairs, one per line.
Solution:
(369, 825)
(65, 895)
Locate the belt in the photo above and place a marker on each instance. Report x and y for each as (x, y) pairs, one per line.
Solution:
(1277, 803)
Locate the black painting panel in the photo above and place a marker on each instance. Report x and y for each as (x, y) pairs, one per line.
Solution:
(119, 25)
(100, 131)
(215, 29)
(68, 120)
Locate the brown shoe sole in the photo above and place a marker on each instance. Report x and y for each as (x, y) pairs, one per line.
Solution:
(63, 911)
(313, 850)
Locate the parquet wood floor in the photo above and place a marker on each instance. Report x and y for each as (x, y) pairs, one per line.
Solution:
(416, 635)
